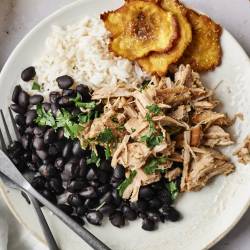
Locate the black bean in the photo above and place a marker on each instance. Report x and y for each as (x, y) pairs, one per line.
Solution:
(92, 174)
(29, 131)
(82, 168)
(38, 182)
(103, 189)
(65, 208)
(30, 117)
(49, 195)
(54, 97)
(88, 193)
(17, 109)
(56, 186)
(95, 218)
(64, 101)
(115, 182)
(77, 149)
(23, 99)
(67, 150)
(80, 211)
(48, 171)
(116, 197)
(69, 92)
(15, 149)
(119, 172)
(146, 193)
(38, 143)
(91, 203)
(53, 150)
(28, 74)
(117, 219)
(107, 209)
(139, 205)
(75, 200)
(20, 120)
(155, 203)
(129, 213)
(65, 81)
(39, 131)
(67, 172)
(106, 166)
(148, 224)
(94, 183)
(103, 177)
(107, 198)
(78, 220)
(76, 186)
(155, 216)
(49, 136)
(54, 109)
(25, 141)
(171, 214)
(142, 215)
(75, 112)
(84, 91)
(35, 159)
(165, 196)
(59, 164)
(46, 106)
(16, 93)
(35, 99)
(60, 134)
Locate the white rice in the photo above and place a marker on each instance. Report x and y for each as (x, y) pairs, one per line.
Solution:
(81, 51)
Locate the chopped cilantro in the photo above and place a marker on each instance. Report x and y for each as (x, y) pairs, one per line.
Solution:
(94, 159)
(173, 189)
(107, 152)
(151, 123)
(133, 130)
(64, 120)
(44, 118)
(154, 109)
(36, 86)
(106, 136)
(152, 140)
(120, 128)
(114, 119)
(121, 188)
(152, 165)
(86, 105)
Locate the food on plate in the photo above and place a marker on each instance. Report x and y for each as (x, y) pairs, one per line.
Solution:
(204, 53)
(243, 153)
(108, 136)
(143, 27)
(159, 62)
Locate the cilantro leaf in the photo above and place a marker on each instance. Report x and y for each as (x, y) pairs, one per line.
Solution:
(152, 165)
(152, 140)
(155, 109)
(86, 105)
(36, 86)
(44, 118)
(121, 188)
(107, 152)
(173, 189)
(106, 136)
(151, 123)
(94, 159)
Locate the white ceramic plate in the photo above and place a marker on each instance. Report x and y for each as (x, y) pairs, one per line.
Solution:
(209, 214)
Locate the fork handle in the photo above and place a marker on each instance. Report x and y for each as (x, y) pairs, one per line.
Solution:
(44, 225)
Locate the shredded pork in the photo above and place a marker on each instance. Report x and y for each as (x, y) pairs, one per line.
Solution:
(160, 125)
(243, 153)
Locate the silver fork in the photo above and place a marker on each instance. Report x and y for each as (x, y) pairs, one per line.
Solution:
(44, 225)
(8, 169)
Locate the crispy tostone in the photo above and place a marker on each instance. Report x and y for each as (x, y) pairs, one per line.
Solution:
(204, 53)
(159, 62)
(139, 27)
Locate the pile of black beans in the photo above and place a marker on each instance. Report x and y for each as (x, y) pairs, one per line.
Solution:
(60, 171)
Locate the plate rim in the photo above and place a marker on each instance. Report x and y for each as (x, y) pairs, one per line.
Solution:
(6, 67)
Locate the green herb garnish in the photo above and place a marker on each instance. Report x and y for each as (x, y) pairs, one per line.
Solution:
(154, 109)
(173, 189)
(152, 165)
(120, 128)
(85, 105)
(36, 86)
(152, 140)
(106, 136)
(107, 152)
(94, 159)
(44, 118)
(121, 188)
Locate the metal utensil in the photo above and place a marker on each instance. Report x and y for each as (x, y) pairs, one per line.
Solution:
(44, 225)
(8, 169)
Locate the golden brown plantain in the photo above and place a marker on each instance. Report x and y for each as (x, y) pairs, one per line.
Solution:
(204, 53)
(139, 27)
(158, 63)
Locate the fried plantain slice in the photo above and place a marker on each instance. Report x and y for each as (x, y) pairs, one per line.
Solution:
(142, 27)
(204, 53)
(158, 63)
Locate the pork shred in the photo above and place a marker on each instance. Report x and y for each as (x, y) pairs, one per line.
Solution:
(171, 122)
(243, 153)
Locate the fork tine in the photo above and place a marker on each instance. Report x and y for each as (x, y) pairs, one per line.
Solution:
(2, 142)
(18, 136)
(6, 127)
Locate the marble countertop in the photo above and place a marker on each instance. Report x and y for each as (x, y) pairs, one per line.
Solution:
(17, 17)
